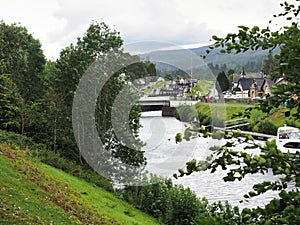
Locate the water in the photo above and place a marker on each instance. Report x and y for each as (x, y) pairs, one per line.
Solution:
(165, 157)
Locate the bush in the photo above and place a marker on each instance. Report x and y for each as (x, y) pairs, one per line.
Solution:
(171, 204)
(217, 135)
(21, 141)
(267, 127)
(186, 113)
(204, 119)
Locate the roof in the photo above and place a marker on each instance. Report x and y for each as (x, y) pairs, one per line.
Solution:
(236, 77)
(236, 89)
(270, 82)
(259, 82)
(245, 83)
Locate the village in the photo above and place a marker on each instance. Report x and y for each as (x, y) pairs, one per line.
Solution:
(245, 87)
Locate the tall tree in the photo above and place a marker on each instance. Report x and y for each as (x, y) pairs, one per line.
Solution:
(269, 65)
(23, 58)
(71, 65)
(98, 41)
(151, 69)
(9, 102)
(223, 81)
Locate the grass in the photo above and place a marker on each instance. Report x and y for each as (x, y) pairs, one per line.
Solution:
(157, 85)
(204, 86)
(225, 111)
(35, 193)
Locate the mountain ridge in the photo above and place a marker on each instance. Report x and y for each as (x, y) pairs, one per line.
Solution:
(251, 60)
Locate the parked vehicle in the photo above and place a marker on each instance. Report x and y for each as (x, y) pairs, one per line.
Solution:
(288, 139)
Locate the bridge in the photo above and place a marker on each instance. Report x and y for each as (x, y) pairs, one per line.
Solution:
(157, 104)
(153, 104)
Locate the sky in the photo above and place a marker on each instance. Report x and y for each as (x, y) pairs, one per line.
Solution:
(184, 23)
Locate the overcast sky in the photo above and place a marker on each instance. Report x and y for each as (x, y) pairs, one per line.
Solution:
(57, 23)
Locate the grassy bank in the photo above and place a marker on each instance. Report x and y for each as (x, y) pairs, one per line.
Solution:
(157, 85)
(217, 113)
(35, 193)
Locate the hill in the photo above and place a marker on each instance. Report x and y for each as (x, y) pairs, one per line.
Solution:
(35, 193)
(251, 61)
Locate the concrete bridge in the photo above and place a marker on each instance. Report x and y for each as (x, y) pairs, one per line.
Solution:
(157, 104)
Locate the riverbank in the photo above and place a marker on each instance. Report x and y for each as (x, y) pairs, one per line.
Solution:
(218, 113)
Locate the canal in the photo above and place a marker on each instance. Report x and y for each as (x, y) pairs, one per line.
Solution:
(165, 157)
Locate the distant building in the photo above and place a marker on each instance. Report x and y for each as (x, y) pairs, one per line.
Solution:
(251, 85)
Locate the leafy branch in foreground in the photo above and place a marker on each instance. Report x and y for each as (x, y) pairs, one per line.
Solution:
(268, 158)
(237, 155)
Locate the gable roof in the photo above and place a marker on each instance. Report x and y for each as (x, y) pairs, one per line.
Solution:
(259, 82)
(245, 83)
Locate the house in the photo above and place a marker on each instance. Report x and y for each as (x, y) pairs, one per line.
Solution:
(257, 85)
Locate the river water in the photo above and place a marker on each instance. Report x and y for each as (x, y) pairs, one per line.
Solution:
(165, 157)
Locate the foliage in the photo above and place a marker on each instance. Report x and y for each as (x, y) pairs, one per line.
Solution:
(168, 76)
(235, 155)
(185, 113)
(151, 69)
(22, 57)
(20, 141)
(269, 65)
(98, 41)
(9, 101)
(72, 63)
(171, 204)
(223, 81)
(267, 127)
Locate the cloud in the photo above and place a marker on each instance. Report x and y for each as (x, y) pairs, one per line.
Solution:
(57, 23)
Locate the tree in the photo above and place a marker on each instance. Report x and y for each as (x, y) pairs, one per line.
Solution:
(269, 65)
(9, 101)
(168, 76)
(137, 70)
(151, 69)
(239, 163)
(98, 41)
(230, 75)
(223, 81)
(23, 58)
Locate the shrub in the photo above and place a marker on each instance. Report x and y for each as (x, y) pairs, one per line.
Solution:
(186, 113)
(21, 141)
(217, 135)
(267, 127)
(204, 119)
(171, 204)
